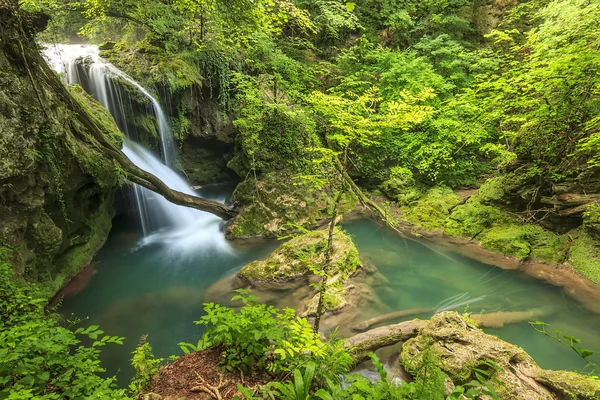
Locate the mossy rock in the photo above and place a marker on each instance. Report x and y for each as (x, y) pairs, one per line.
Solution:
(584, 255)
(401, 186)
(461, 348)
(572, 385)
(471, 218)
(277, 203)
(304, 254)
(431, 211)
(509, 189)
(153, 66)
(524, 241)
(55, 183)
(591, 220)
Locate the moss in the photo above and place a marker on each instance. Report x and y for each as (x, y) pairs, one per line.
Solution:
(94, 162)
(81, 253)
(591, 220)
(507, 240)
(153, 66)
(572, 385)
(584, 255)
(547, 246)
(492, 190)
(275, 204)
(402, 187)
(471, 219)
(430, 212)
(303, 254)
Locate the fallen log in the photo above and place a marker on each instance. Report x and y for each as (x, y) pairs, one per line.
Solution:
(501, 318)
(363, 326)
(362, 344)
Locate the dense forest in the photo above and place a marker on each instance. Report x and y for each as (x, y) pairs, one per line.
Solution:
(465, 121)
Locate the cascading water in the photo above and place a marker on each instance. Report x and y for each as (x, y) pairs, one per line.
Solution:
(179, 227)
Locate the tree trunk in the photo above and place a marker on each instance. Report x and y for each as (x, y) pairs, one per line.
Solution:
(37, 66)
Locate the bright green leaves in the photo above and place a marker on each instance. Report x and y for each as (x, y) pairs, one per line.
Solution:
(39, 358)
(249, 336)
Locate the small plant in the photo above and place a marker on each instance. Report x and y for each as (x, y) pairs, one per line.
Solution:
(41, 359)
(145, 365)
(568, 341)
(480, 385)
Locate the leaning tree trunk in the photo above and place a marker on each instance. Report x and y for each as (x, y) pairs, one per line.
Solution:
(17, 24)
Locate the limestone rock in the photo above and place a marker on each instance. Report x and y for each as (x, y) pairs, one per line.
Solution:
(462, 347)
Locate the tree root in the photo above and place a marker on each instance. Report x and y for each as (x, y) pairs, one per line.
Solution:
(206, 387)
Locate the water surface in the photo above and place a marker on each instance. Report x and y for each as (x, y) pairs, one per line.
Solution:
(157, 287)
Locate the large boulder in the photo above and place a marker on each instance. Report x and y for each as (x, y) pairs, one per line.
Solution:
(56, 188)
(295, 263)
(461, 347)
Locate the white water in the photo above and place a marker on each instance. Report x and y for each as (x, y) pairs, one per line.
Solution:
(162, 221)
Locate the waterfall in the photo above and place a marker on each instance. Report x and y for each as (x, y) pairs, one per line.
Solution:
(160, 219)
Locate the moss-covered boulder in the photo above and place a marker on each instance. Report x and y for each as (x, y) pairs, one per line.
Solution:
(584, 254)
(471, 219)
(304, 254)
(56, 186)
(462, 347)
(401, 186)
(431, 211)
(276, 203)
(296, 262)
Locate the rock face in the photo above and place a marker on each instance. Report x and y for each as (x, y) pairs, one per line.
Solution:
(56, 189)
(461, 346)
(293, 264)
(199, 120)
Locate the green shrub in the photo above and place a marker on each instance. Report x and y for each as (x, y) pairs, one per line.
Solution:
(146, 365)
(40, 359)
(265, 337)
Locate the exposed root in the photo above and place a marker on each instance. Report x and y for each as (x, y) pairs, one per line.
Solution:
(206, 387)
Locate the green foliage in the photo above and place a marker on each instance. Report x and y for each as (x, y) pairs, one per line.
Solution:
(145, 365)
(569, 341)
(41, 359)
(265, 337)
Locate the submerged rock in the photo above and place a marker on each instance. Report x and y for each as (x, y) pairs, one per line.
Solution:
(302, 255)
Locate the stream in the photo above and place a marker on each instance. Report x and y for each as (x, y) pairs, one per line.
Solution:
(154, 272)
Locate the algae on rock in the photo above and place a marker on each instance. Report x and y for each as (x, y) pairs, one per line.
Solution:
(304, 254)
(299, 259)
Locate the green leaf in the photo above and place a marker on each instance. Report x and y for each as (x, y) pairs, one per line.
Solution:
(350, 6)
